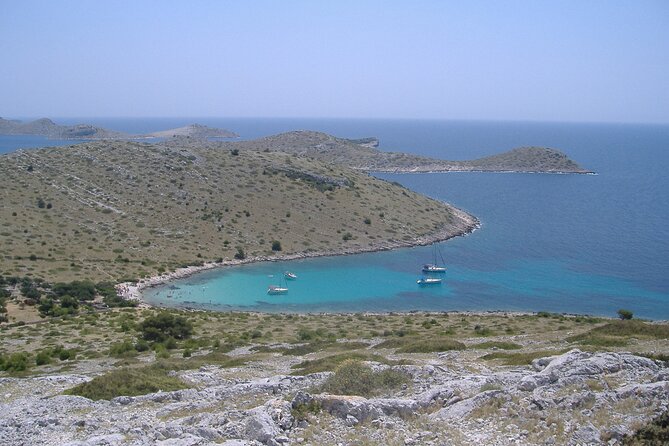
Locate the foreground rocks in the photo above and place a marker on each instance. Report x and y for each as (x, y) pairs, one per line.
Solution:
(574, 398)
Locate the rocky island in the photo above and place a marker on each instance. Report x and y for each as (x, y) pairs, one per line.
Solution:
(363, 155)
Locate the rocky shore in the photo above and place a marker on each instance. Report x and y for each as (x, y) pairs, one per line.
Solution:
(577, 398)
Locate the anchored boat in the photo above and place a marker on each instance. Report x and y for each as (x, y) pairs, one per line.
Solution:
(428, 281)
(276, 289)
(290, 276)
(435, 267)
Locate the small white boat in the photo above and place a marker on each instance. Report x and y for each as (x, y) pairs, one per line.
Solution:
(276, 289)
(432, 268)
(428, 281)
(290, 276)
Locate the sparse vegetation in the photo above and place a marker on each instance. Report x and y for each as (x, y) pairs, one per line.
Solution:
(654, 433)
(110, 224)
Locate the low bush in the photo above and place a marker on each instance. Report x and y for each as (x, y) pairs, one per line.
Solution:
(521, 358)
(42, 358)
(633, 328)
(16, 362)
(353, 377)
(499, 345)
(301, 350)
(625, 314)
(164, 326)
(128, 382)
(422, 345)
(330, 363)
(122, 349)
(655, 432)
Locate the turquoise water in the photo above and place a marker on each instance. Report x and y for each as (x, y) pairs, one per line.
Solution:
(565, 243)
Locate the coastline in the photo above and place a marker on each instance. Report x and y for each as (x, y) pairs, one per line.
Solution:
(133, 290)
(422, 169)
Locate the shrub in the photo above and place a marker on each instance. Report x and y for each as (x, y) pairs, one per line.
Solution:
(16, 362)
(625, 314)
(125, 348)
(81, 290)
(240, 254)
(656, 432)
(276, 245)
(65, 354)
(330, 363)
(421, 345)
(141, 345)
(355, 378)
(129, 382)
(521, 358)
(499, 345)
(43, 357)
(348, 236)
(627, 328)
(164, 326)
(301, 411)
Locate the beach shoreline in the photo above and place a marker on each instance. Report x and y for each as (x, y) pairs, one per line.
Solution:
(134, 290)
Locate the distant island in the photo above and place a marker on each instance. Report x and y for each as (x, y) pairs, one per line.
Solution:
(47, 128)
(362, 154)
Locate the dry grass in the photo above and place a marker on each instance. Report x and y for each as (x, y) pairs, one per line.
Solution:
(117, 210)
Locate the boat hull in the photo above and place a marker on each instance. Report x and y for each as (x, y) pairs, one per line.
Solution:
(427, 282)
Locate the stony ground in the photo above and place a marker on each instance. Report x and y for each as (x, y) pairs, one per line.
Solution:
(452, 397)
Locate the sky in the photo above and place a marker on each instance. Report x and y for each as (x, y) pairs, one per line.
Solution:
(575, 61)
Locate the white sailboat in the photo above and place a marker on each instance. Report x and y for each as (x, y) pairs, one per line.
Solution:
(435, 267)
(277, 289)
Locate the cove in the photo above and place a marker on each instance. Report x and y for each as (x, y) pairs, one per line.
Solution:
(386, 282)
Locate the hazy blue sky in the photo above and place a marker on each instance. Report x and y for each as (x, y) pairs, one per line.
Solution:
(582, 60)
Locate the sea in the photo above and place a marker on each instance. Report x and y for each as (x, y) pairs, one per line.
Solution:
(565, 243)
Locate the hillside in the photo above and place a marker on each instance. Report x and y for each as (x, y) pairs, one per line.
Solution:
(118, 210)
(362, 155)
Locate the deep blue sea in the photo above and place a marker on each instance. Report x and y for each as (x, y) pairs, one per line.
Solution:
(563, 243)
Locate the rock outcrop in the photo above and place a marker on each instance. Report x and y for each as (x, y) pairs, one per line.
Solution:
(559, 400)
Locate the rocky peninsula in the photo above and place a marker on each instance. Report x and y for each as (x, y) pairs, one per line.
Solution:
(119, 210)
(362, 154)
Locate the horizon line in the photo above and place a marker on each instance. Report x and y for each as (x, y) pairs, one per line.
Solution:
(342, 118)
